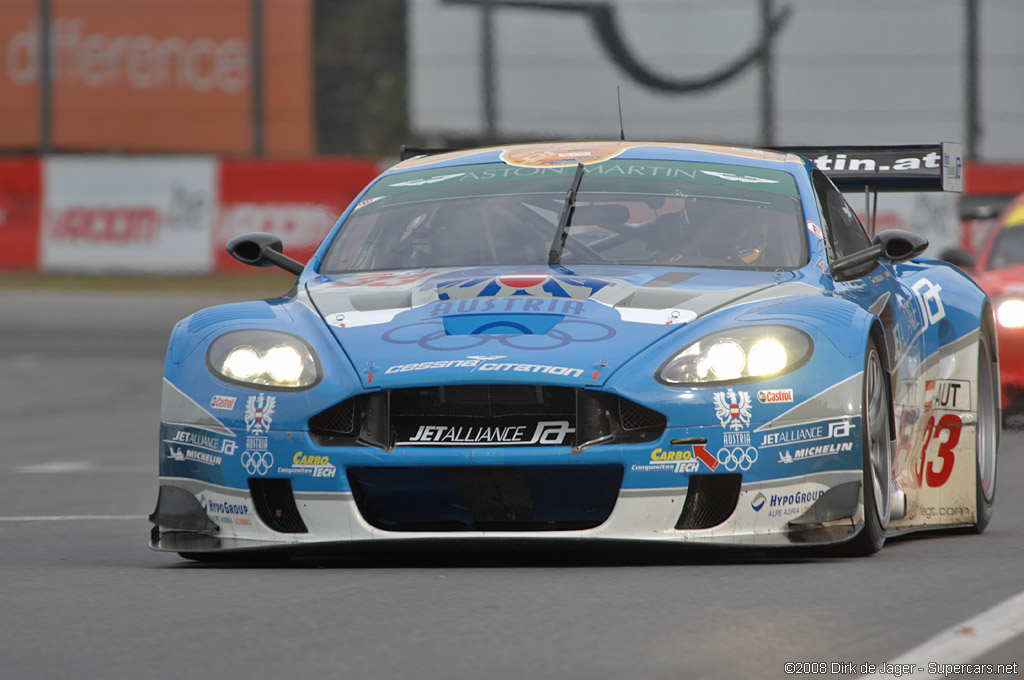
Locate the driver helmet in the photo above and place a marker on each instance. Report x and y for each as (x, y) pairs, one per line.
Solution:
(734, 233)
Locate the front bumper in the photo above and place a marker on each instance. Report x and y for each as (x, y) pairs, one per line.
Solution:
(678, 500)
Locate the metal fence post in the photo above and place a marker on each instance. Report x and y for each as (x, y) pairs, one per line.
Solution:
(971, 62)
(487, 74)
(45, 77)
(256, 104)
(767, 76)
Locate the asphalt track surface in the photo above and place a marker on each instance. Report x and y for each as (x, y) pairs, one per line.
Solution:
(82, 596)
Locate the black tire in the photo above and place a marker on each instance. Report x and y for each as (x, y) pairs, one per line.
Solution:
(987, 433)
(877, 446)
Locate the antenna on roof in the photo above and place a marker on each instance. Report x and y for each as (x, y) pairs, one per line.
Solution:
(622, 129)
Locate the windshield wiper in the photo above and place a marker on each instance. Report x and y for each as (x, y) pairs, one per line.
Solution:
(558, 244)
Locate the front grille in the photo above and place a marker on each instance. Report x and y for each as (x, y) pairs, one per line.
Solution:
(403, 416)
(339, 420)
(502, 498)
(710, 500)
(633, 416)
(495, 397)
(275, 505)
(494, 495)
(482, 401)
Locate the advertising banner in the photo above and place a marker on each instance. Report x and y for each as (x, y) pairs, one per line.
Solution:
(148, 215)
(298, 201)
(134, 76)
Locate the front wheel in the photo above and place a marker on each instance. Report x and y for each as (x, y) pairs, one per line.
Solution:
(877, 457)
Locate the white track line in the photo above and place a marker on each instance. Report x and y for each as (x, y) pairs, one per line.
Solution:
(965, 641)
(56, 468)
(67, 518)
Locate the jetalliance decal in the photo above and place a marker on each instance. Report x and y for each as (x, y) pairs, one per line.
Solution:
(546, 433)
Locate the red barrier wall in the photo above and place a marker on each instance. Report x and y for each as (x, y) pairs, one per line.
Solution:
(19, 212)
(982, 179)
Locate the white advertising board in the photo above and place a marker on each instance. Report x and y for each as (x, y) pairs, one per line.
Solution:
(122, 214)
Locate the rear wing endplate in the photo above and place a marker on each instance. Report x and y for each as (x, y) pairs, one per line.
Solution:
(914, 167)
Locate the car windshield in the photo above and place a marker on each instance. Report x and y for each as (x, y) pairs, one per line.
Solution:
(1008, 248)
(627, 212)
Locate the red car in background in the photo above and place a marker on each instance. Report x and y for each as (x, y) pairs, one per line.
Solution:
(999, 270)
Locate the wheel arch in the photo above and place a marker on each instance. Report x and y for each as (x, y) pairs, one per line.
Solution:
(988, 324)
(877, 333)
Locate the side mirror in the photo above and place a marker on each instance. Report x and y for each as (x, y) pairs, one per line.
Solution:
(262, 250)
(901, 245)
(896, 245)
(958, 256)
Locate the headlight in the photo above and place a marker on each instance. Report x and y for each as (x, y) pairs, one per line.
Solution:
(270, 359)
(738, 355)
(1010, 313)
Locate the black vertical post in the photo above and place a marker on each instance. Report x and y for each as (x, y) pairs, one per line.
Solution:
(256, 26)
(487, 84)
(767, 77)
(971, 62)
(45, 79)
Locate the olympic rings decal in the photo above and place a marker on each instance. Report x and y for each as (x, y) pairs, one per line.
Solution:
(737, 458)
(257, 462)
(438, 340)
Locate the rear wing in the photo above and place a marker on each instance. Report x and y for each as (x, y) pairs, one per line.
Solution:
(916, 167)
(908, 167)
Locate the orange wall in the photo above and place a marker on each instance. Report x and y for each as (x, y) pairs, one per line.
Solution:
(18, 92)
(152, 76)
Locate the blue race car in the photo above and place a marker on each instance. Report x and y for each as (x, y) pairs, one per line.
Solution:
(641, 341)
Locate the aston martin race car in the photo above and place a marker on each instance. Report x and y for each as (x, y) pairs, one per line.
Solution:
(621, 341)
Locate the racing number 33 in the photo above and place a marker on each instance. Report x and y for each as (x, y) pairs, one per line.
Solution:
(932, 475)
